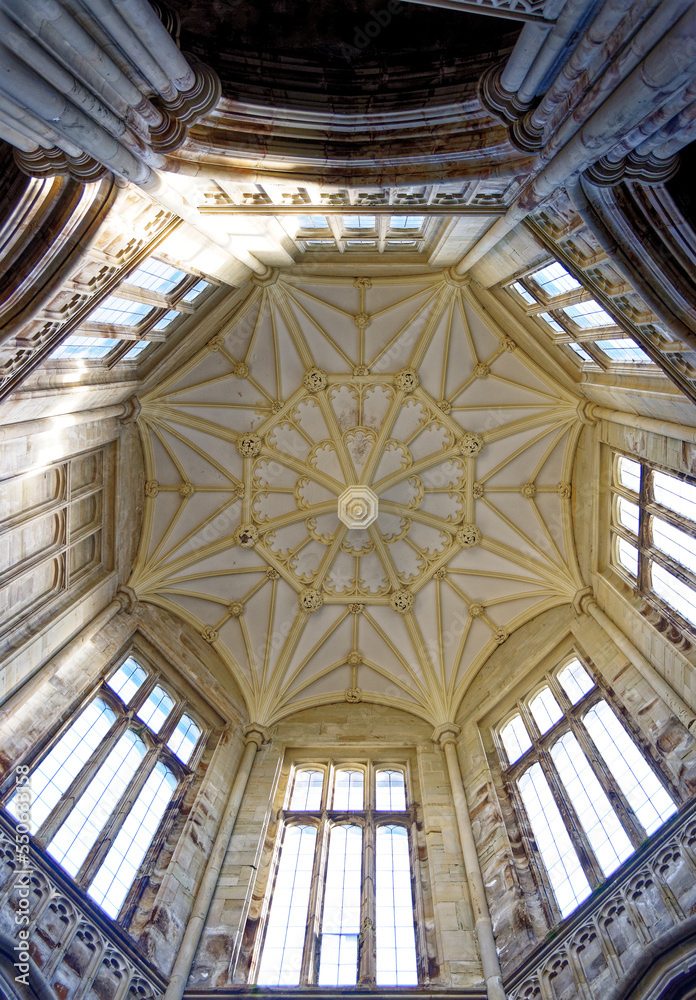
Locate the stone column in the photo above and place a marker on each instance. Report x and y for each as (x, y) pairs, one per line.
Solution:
(446, 736)
(255, 736)
(657, 682)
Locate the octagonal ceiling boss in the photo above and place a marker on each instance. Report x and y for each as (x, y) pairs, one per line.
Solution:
(356, 490)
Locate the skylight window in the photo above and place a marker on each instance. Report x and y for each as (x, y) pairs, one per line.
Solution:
(194, 292)
(312, 222)
(588, 315)
(359, 221)
(407, 221)
(165, 320)
(88, 348)
(580, 351)
(555, 280)
(156, 276)
(550, 321)
(524, 294)
(624, 350)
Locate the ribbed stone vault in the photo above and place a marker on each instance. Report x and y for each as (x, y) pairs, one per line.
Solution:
(323, 389)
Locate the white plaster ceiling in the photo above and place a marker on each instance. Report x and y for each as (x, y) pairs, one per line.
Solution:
(321, 383)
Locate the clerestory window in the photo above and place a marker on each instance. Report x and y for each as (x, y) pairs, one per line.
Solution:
(98, 798)
(654, 535)
(341, 902)
(586, 794)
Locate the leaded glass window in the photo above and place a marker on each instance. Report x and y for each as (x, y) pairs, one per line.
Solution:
(586, 793)
(101, 793)
(341, 905)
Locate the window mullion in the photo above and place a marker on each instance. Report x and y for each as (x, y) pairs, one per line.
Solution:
(626, 815)
(366, 941)
(60, 812)
(115, 821)
(310, 956)
(593, 872)
(644, 546)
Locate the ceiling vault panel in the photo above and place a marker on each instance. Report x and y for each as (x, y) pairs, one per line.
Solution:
(356, 491)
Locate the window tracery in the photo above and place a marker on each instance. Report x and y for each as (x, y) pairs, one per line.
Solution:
(341, 904)
(100, 795)
(586, 793)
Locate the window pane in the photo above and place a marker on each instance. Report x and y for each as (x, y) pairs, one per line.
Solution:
(77, 835)
(575, 681)
(628, 515)
(194, 292)
(136, 350)
(312, 222)
(115, 311)
(127, 680)
(634, 776)
(390, 791)
(675, 494)
(407, 221)
(629, 474)
(306, 792)
(56, 772)
(183, 740)
(588, 315)
(580, 351)
(348, 791)
(545, 709)
(674, 592)
(674, 542)
(623, 350)
(523, 293)
(396, 940)
(340, 926)
(557, 852)
(553, 323)
(281, 962)
(156, 276)
(515, 739)
(601, 824)
(555, 280)
(628, 556)
(85, 347)
(115, 876)
(359, 221)
(157, 707)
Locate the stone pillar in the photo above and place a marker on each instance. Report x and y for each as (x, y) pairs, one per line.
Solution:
(255, 736)
(657, 682)
(446, 736)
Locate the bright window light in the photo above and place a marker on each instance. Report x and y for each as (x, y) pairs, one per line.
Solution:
(580, 351)
(197, 290)
(85, 347)
(675, 494)
(348, 791)
(359, 221)
(524, 294)
(629, 515)
(127, 680)
(550, 321)
(136, 350)
(629, 474)
(628, 557)
(546, 710)
(575, 680)
(674, 592)
(396, 941)
(114, 311)
(515, 738)
(588, 315)
(338, 964)
(407, 221)
(312, 222)
(674, 542)
(390, 791)
(306, 792)
(555, 280)
(156, 709)
(183, 740)
(156, 276)
(624, 350)
(165, 321)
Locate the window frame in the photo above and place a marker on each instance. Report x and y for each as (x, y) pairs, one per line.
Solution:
(156, 752)
(369, 819)
(540, 752)
(648, 553)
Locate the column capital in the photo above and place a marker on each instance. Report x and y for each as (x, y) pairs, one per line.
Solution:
(582, 601)
(256, 733)
(446, 733)
(127, 598)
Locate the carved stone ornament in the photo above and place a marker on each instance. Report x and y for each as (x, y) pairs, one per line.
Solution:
(358, 507)
(445, 405)
(477, 491)
(440, 573)
(471, 444)
(481, 370)
(528, 491)
(354, 658)
(508, 344)
(310, 600)
(468, 535)
(241, 369)
(186, 490)
(361, 370)
(476, 610)
(314, 379)
(276, 406)
(248, 445)
(361, 320)
(500, 635)
(246, 535)
(216, 343)
(565, 491)
(363, 283)
(236, 609)
(401, 601)
(406, 380)
(209, 634)
(151, 488)
(272, 574)
(353, 695)
(356, 609)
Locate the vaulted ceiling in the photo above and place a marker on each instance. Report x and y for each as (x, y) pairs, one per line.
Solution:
(399, 384)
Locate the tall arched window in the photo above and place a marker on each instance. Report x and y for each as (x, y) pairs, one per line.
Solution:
(341, 904)
(586, 793)
(100, 794)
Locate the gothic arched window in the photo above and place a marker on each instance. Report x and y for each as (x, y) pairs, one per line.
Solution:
(100, 794)
(587, 795)
(341, 905)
